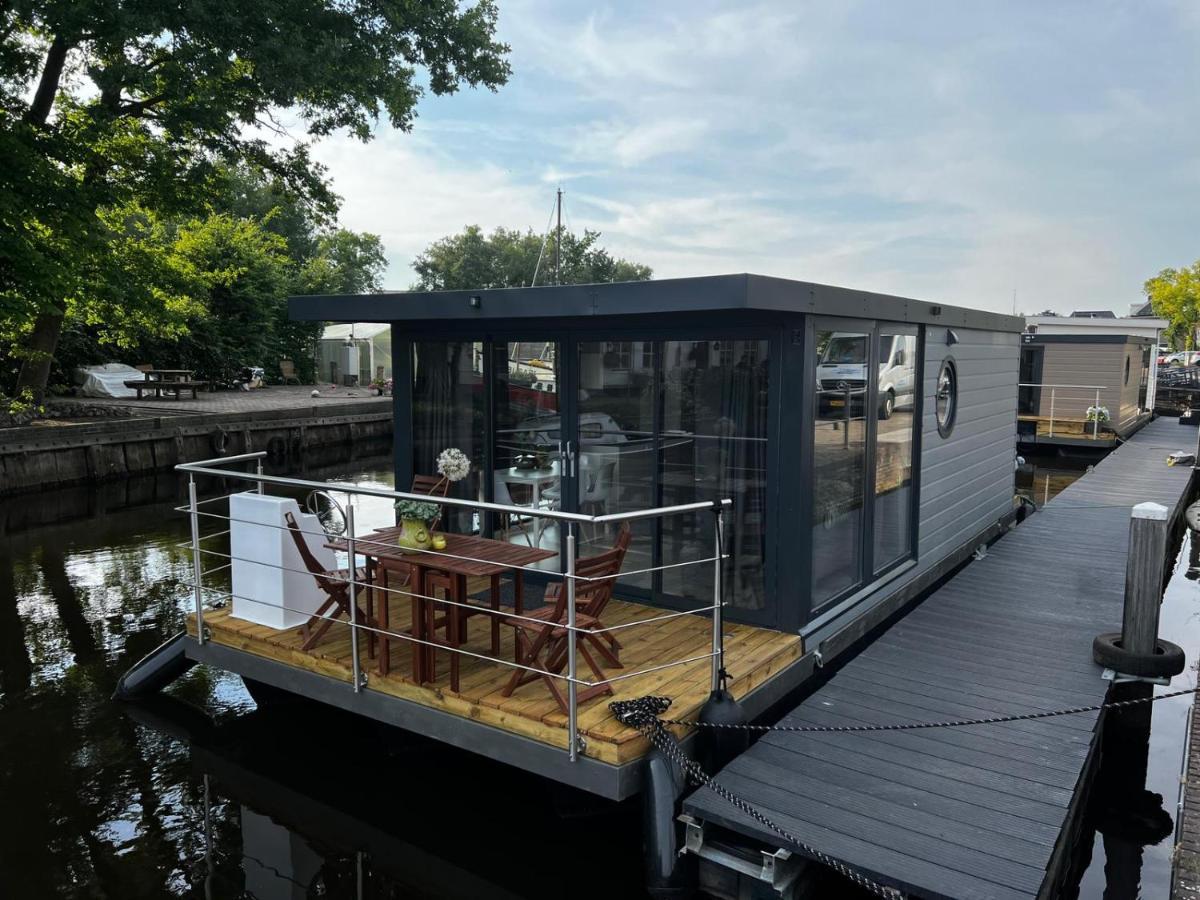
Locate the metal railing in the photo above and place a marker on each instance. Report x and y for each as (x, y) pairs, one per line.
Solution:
(1073, 395)
(357, 544)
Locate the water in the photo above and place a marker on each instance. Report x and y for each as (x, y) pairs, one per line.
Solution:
(200, 793)
(203, 794)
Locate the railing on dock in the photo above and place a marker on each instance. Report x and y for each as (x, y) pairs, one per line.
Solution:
(1069, 404)
(356, 542)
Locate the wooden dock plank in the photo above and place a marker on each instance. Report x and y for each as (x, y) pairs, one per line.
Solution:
(1009, 633)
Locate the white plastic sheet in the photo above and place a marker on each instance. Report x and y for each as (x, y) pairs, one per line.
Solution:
(109, 380)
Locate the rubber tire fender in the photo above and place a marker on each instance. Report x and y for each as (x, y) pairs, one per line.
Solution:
(219, 440)
(1168, 659)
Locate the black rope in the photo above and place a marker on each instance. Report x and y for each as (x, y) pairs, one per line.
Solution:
(643, 714)
(913, 726)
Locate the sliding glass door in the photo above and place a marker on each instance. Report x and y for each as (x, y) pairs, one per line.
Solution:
(630, 422)
(866, 378)
(527, 464)
(662, 422)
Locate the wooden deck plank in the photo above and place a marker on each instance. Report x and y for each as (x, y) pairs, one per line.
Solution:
(1009, 633)
(753, 656)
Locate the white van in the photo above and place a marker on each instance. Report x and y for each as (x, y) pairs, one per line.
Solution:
(842, 372)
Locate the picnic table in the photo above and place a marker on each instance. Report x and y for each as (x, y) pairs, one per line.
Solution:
(166, 381)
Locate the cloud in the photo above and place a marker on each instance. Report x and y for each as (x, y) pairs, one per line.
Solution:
(947, 152)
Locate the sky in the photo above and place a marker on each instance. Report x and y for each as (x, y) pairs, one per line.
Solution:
(965, 153)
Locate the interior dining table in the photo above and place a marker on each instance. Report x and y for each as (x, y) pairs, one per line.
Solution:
(403, 572)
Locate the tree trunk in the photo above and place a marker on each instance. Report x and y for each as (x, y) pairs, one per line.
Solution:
(47, 89)
(35, 368)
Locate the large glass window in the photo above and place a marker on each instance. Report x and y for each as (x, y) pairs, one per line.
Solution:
(866, 381)
(713, 444)
(894, 444)
(449, 411)
(839, 460)
(527, 438)
(615, 460)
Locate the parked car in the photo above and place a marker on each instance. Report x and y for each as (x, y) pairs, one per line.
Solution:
(842, 370)
(1182, 358)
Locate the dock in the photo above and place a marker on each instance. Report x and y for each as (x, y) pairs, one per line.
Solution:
(969, 812)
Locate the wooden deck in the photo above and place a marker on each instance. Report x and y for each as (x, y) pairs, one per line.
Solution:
(973, 812)
(752, 656)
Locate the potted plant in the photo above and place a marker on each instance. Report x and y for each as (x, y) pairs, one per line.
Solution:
(1098, 414)
(377, 386)
(416, 516)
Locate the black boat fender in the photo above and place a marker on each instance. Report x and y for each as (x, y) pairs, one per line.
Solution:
(669, 874)
(155, 670)
(725, 736)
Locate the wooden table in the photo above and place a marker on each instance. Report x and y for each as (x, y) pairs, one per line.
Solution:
(465, 556)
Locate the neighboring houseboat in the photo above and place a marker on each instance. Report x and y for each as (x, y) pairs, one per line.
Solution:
(857, 447)
(1086, 381)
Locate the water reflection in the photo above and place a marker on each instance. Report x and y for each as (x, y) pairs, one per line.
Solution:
(99, 803)
(1042, 476)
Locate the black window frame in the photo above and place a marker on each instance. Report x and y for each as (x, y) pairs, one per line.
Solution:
(945, 429)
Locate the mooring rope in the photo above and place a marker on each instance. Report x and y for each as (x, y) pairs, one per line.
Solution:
(913, 726)
(645, 714)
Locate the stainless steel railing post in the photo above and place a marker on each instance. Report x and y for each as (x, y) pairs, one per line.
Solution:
(572, 690)
(1096, 423)
(356, 665)
(1051, 434)
(197, 572)
(718, 597)
(258, 470)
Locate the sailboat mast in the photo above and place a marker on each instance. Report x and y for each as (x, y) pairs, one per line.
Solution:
(558, 243)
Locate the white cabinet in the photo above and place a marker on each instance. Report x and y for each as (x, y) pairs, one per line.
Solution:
(271, 584)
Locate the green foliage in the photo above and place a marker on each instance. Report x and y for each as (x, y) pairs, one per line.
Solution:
(218, 283)
(1175, 296)
(111, 107)
(418, 510)
(508, 258)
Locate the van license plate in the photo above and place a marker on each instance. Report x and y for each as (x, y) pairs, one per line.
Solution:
(837, 402)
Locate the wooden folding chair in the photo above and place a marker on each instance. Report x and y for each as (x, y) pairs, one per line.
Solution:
(334, 583)
(542, 644)
(592, 603)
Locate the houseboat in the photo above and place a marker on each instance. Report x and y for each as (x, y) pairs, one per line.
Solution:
(1087, 380)
(674, 487)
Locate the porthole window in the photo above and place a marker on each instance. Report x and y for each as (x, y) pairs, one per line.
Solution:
(946, 397)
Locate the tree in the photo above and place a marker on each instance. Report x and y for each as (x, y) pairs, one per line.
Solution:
(509, 258)
(107, 104)
(1174, 295)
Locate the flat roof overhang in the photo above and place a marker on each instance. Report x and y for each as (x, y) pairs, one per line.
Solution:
(714, 293)
(1038, 338)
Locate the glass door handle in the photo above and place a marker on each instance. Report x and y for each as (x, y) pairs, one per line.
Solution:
(570, 459)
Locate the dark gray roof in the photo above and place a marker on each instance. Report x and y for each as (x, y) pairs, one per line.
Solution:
(713, 293)
(1093, 314)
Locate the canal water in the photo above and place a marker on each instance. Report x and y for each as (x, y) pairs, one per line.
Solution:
(203, 794)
